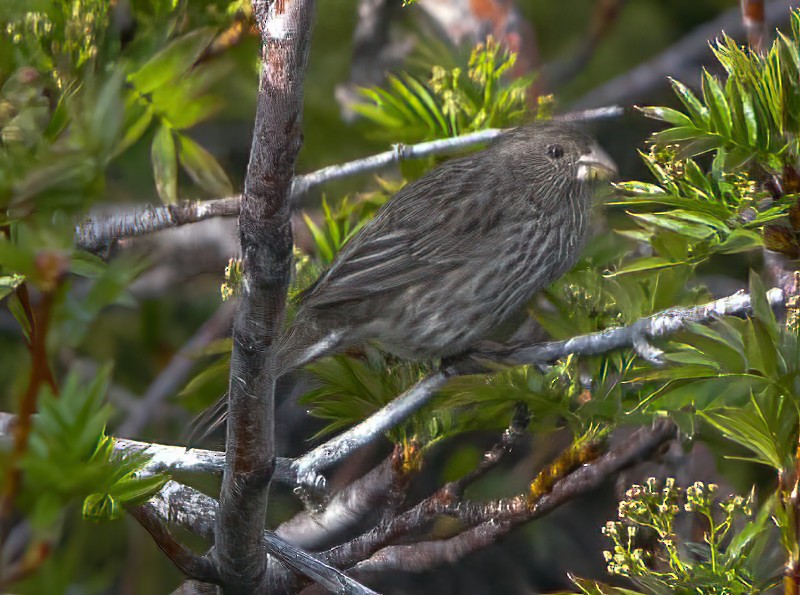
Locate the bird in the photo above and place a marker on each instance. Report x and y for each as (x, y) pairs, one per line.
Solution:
(456, 253)
(451, 256)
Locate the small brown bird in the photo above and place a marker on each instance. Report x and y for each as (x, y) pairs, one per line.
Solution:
(457, 252)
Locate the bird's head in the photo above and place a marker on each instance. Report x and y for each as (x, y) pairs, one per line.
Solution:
(554, 150)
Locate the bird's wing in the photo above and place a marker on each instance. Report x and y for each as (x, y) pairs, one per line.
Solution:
(405, 244)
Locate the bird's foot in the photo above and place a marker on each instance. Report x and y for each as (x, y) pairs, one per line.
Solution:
(311, 489)
(643, 348)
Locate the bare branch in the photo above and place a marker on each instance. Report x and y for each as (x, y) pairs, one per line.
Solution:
(189, 563)
(98, 230)
(265, 236)
(601, 23)
(164, 458)
(185, 507)
(309, 466)
(513, 434)
(497, 519)
(656, 326)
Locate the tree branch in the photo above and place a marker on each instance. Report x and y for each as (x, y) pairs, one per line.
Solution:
(164, 458)
(265, 235)
(189, 563)
(178, 459)
(497, 519)
(100, 229)
(182, 506)
(309, 466)
(754, 25)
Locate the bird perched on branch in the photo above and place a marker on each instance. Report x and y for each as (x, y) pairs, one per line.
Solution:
(455, 253)
(452, 255)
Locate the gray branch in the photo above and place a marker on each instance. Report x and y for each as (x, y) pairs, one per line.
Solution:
(178, 459)
(309, 466)
(265, 237)
(100, 229)
(182, 506)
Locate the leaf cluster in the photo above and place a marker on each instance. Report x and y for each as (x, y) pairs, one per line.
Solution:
(453, 101)
(723, 563)
(749, 123)
(740, 375)
(70, 459)
(752, 116)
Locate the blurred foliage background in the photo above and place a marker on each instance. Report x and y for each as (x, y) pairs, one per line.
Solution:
(193, 130)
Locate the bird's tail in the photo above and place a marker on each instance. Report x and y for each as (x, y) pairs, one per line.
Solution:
(293, 351)
(299, 347)
(207, 421)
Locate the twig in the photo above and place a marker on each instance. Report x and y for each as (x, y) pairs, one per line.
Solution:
(486, 522)
(189, 563)
(492, 457)
(179, 505)
(659, 325)
(39, 374)
(164, 458)
(265, 236)
(679, 60)
(100, 229)
(175, 373)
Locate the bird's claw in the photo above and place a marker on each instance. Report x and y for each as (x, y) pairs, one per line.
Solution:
(311, 490)
(646, 351)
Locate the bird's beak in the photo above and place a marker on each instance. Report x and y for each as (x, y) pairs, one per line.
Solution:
(596, 165)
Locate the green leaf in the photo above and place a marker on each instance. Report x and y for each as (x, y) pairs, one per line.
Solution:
(100, 507)
(132, 490)
(761, 309)
(324, 248)
(9, 283)
(639, 188)
(669, 222)
(172, 62)
(165, 164)
(666, 114)
(18, 312)
(677, 135)
(697, 112)
(751, 431)
(648, 263)
(717, 105)
(740, 240)
(202, 167)
(186, 102)
(135, 128)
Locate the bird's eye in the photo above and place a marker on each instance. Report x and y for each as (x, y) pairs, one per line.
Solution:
(555, 151)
